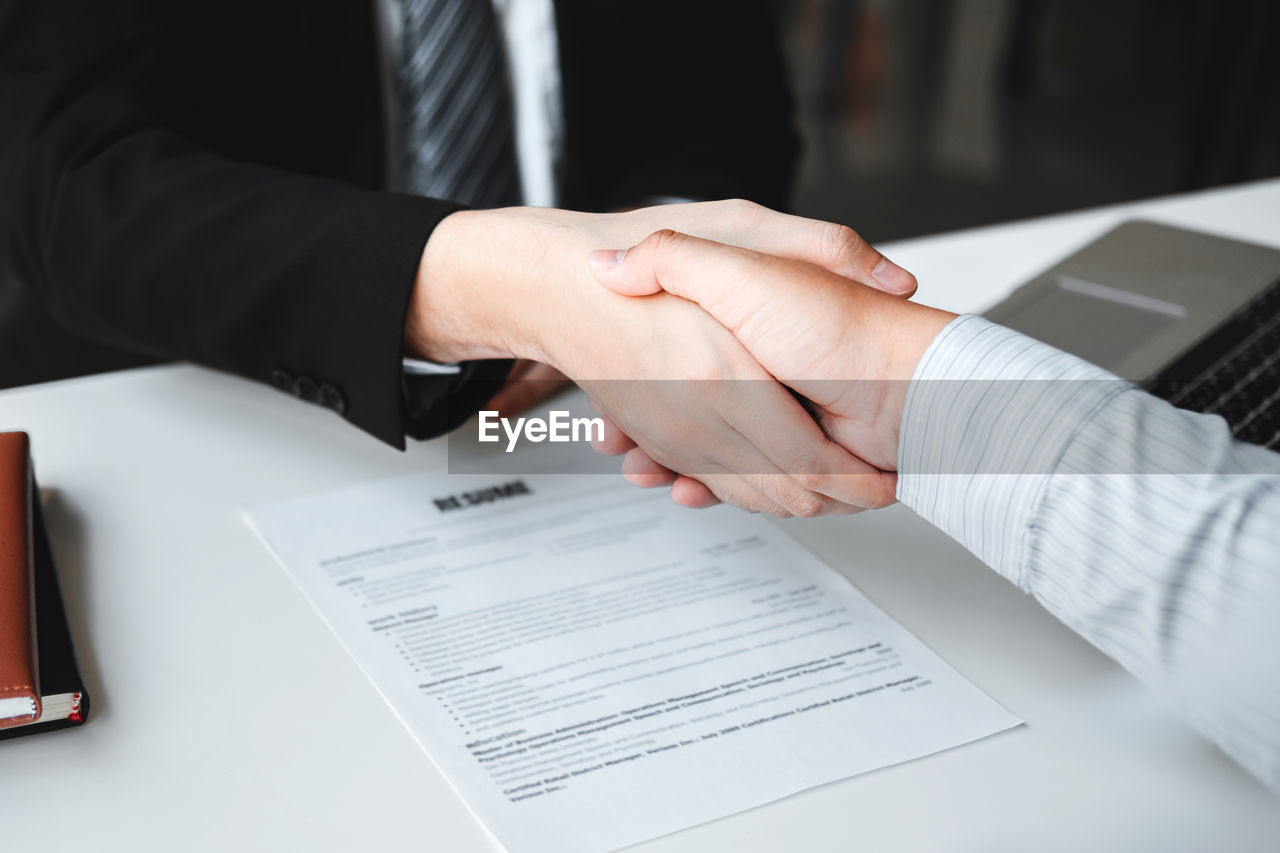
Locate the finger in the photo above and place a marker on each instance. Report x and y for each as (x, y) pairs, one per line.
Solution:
(816, 504)
(696, 494)
(771, 492)
(738, 491)
(644, 466)
(728, 282)
(687, 491)
(879, 489)
(640, 470)
(833, 247)
(829, 245)
(773, 457)
(615, 442)
(717, 486)
(770, 304)
(807, 470)
(606, 266)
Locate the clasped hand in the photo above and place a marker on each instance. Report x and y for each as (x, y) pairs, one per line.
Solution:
(682, 348)
(848, 349)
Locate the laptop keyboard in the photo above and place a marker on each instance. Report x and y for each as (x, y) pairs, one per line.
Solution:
(1235, 372)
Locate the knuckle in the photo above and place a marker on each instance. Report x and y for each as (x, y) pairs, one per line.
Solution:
(803, 504)
(840, 243)
(814, 481)
(737, 493)
(807, 470)
(664, 242)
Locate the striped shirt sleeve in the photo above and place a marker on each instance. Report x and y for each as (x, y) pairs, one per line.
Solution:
(1147, 529)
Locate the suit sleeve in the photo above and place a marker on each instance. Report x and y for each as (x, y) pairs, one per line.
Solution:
(139, 237)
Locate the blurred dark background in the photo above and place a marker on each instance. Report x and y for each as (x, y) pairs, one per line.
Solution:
(929, 115)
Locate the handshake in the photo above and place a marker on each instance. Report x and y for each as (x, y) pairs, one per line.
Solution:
(736, 354)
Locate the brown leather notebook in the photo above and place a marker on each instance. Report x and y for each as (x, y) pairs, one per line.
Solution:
(36, 650)
(19, 666)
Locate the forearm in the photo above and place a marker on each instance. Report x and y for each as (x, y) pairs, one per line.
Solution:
(1148, 530)
(158, 248)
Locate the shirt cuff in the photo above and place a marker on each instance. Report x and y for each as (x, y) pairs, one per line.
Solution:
(988, 416)
(422, 367)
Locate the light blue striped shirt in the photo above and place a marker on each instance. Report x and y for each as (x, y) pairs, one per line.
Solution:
(1147, 529)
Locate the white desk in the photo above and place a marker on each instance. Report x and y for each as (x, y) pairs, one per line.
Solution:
(227, 717)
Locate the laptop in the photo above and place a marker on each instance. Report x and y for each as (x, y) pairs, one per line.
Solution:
(1193, 318)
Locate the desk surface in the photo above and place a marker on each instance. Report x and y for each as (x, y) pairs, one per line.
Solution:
(227, 717)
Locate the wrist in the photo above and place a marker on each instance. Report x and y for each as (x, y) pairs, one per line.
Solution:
(440, 324)
(502, 283)
(467, 299)
(913, 331)
(908, 336)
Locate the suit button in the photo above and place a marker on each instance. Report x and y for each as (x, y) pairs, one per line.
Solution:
(332, 398)
(305, 388)
(282, 379)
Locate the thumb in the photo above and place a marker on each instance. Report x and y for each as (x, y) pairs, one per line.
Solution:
(607, 267)
(711, 274)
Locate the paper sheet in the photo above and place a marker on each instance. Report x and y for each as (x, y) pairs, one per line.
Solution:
(592, 666)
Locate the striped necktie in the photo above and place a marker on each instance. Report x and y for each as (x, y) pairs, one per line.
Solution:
(457, 126)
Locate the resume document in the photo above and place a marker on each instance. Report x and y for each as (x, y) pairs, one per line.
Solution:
(592, 666)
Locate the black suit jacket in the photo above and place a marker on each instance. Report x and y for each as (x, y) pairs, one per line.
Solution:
(202, 180)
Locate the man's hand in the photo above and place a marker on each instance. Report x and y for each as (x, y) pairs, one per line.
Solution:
(512, 283)
(848, 349)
